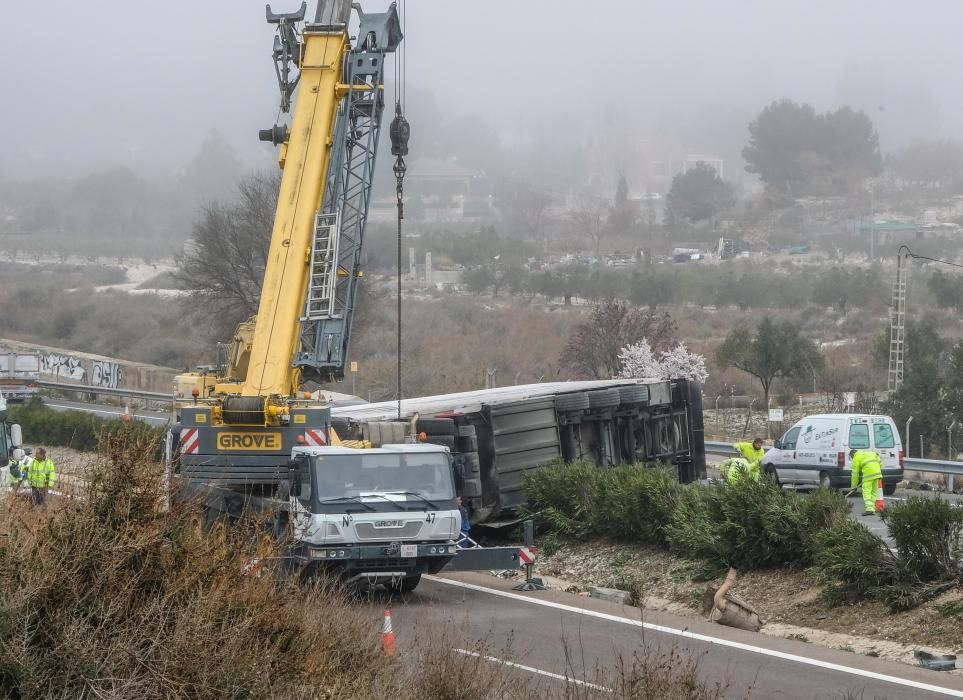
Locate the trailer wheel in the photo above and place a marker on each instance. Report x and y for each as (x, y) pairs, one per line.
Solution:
(633, 394)
(436, 426)
(446, 440)
(571, 402)
(468, 444)
(405, 585)
(604, 398)
(472, 465)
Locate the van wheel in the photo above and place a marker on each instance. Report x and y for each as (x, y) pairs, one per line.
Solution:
(824, 480)
(771, 473)
(889, 489)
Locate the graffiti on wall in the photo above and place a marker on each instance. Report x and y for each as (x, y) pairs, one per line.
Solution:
(63, 367)
(106, 374)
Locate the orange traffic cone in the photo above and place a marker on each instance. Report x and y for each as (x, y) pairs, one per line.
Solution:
(880, 501)
(388, 635)
(126, 416)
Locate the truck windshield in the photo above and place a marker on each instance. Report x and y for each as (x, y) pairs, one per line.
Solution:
(403, 476)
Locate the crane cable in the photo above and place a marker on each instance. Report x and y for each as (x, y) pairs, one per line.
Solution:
(399, 133)
(910, 254)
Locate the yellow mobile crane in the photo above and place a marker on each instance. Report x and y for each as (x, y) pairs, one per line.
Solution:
(239, 422)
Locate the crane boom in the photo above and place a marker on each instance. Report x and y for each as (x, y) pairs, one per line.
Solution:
(310, 280)
(238, 423)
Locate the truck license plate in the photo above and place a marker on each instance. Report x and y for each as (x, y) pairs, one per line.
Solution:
(409, 550)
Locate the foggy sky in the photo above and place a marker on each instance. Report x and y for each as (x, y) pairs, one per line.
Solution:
(91, 83)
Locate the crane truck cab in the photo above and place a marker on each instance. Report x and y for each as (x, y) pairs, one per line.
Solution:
(380, 516)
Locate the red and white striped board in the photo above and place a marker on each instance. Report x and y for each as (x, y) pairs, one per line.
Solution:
(315, 438)
(526, 556)
(190, 441)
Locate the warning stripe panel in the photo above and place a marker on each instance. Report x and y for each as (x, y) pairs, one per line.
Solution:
(190, 441)
(526, 555)
(315, 438)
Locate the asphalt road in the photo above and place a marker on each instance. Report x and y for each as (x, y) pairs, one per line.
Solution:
(551, 636)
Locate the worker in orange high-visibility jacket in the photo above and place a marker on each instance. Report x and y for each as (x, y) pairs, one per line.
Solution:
(867, 472)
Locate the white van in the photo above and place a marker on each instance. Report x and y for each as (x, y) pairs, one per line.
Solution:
(815, 451)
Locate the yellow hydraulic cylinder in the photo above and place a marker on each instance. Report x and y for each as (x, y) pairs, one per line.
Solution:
(305, 166)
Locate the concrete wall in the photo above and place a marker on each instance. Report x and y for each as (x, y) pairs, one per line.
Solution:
(68, 366)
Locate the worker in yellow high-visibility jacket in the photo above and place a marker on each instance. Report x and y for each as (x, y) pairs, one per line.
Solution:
(41, 475)
(867, 472)
(753, 453)
(735, 469)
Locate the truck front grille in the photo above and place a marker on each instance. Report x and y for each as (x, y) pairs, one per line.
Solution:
(367, 531)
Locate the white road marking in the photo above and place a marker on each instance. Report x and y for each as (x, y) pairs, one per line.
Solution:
(686, 634)
(531, 669)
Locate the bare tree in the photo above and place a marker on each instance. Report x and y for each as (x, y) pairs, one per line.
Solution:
(589, 218)
(223, 264)
(593, 349)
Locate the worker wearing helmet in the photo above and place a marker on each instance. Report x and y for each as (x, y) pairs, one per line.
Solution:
(867, 471)
(753, 453)
(735, 469)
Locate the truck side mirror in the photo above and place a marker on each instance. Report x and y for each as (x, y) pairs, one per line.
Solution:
(777, 443)
(294, 481)
(16, 436)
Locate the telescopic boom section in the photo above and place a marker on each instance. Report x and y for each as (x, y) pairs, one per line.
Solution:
(305, 159)
(303, 323)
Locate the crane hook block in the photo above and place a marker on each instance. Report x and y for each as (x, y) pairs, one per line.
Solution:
(399, 133)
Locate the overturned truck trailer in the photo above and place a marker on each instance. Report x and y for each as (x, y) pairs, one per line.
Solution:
(498, 435)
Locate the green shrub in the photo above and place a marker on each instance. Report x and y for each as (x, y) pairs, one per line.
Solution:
(749, 525)
(578, 499)
(853, 563)
(76, 429)
(927, 535)
(558, 494)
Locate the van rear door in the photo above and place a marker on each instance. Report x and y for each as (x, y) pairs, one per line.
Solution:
(886, 441)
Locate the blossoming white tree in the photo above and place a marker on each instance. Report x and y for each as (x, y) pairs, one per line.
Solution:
(636, 361)
(679, 363)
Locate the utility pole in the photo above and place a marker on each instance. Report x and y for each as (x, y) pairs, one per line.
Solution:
(897, 328)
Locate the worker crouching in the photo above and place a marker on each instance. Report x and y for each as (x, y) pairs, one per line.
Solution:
(735, 469)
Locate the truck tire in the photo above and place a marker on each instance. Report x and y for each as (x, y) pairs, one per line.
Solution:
(446, 440)
(571, 402)
(889, 489)
(406, 585)
(633, 394)
(467, 431)
(436, 426)
(604, 398)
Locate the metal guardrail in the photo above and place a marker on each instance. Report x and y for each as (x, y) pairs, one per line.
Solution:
(933, 466)
(107, 391)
